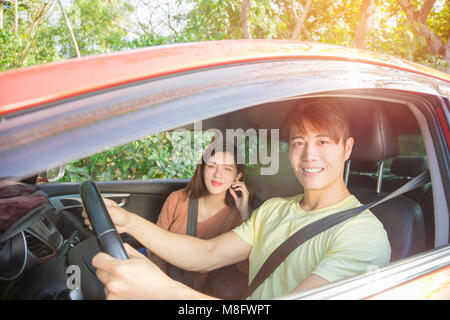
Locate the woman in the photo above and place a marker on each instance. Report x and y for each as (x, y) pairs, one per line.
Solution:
(222, 203)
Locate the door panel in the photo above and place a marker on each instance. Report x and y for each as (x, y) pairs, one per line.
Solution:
(143, 197)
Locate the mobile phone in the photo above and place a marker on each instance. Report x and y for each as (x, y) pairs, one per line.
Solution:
(238, 193)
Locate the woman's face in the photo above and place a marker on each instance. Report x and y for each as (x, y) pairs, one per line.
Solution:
(220, 172)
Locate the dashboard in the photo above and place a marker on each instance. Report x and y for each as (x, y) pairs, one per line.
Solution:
(42, 249)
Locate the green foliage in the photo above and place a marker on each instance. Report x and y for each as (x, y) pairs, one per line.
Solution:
(99, 26)
(333, 22)
(147, 40)
(142, 159)
(212, 20)
(147, 158)
(33, 43)
(395, 35)
(11, 47)
(411, 145)
(102, 26)
(167, 155)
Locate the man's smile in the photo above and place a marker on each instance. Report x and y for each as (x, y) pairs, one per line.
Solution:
(310, 171)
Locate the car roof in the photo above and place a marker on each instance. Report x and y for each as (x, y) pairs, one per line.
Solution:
(26, 88)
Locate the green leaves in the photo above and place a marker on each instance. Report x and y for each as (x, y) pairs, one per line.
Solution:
(102, 26)
(148, 158)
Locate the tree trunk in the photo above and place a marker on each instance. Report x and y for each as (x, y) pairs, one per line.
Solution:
(425, 10)
(299, 21)
(35, 24)
(1, 14)
(418, 19)
(69, 27)
(16, 16)
(366, 13)
(447, 53)
(244, 19)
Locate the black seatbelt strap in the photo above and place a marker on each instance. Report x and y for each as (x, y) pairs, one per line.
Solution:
(191, 230)
(191, 227)
(186, 277)
(313, 229)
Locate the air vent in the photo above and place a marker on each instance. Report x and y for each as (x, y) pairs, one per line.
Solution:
(38, 248)
(70, 202)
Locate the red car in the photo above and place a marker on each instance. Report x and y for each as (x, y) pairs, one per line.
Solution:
(57, 113)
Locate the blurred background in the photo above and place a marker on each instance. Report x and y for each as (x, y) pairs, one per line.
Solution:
(39, 31)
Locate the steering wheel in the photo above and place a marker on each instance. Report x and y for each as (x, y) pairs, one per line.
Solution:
(107, 236)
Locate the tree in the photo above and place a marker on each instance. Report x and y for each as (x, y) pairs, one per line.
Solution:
(380, 26)
(418, 18)
(69, 28)
(365, 22)
(34, 31)
(244, 19)
(299, 21)
(19, 34)
(99, 26)
(1, 13)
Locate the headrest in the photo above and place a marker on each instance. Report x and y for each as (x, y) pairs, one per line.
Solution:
(364, 166)
(374, 135)
(409, 166)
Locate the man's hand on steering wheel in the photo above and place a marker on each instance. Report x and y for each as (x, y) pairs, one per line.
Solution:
(119, 216)
(135, 278)
(100, 220)
(126, 273)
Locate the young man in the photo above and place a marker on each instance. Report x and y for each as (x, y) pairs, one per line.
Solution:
(319, 145)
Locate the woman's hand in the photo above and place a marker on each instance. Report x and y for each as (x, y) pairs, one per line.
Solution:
(119, 216)
(242, 201)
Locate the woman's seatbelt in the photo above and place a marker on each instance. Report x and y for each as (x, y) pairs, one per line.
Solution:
(313, 229)
(186, 277)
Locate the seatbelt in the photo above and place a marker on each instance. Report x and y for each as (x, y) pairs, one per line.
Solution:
(191, 230)
(191, 227)
(313, 229)
(186, 277)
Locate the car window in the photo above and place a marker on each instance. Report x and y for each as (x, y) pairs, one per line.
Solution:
(409, 145)
(158, 156)
(277, 159)
(167, 155)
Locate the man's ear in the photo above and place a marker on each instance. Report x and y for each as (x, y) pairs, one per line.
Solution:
(348, 147)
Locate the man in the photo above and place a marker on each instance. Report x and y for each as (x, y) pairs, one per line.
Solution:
(319, 145)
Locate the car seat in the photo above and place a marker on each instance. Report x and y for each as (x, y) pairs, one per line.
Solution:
(376, 140)
(403, 168)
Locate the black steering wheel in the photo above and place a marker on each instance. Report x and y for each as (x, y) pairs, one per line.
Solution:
(107, 236)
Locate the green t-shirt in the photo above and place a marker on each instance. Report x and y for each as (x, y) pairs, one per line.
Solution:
(344, 250)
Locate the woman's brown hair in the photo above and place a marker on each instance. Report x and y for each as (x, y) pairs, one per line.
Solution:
(196, 188)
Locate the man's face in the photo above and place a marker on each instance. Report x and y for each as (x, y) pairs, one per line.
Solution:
(317, 160)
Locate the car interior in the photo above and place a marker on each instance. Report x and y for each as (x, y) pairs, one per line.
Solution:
(379, 164)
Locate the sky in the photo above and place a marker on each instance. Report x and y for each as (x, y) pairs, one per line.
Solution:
(155, 13)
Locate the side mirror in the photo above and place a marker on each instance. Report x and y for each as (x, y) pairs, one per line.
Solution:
(53, 174)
